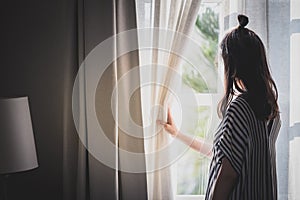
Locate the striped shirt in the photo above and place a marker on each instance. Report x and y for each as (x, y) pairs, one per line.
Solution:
(249, 145)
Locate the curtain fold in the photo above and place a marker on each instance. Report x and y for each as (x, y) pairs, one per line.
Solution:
(95, 171)
(132, 185)
(170, 22)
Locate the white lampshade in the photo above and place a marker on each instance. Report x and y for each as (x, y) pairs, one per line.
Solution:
(17, 147)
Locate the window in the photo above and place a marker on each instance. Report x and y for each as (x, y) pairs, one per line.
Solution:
(191, 170)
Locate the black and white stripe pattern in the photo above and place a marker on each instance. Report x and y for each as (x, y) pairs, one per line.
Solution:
(249, 145)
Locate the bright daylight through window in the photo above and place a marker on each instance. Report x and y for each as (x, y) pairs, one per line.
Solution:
(192, 169)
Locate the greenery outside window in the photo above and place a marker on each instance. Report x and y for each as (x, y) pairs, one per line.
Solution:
(191, 171)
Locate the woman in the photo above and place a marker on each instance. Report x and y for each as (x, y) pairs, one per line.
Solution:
(243, 153)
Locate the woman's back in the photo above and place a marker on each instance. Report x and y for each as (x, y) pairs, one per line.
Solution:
(249, 145)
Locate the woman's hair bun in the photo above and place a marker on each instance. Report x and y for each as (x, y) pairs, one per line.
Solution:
(243, 20)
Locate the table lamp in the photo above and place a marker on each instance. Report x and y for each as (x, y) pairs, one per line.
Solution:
(17, 147)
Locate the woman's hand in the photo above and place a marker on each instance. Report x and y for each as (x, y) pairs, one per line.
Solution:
(195, 143)
(169, 125)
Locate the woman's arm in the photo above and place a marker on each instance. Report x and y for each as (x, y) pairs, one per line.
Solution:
(195, 143)
(225, 182)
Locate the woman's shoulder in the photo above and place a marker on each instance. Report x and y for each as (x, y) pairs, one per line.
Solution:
(240, 105)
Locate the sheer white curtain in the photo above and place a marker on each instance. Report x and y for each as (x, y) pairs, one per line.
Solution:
(168, 22)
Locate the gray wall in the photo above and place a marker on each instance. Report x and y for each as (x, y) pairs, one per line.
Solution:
(37, 39)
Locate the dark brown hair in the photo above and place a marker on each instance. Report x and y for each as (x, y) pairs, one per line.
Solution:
(245, 59)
